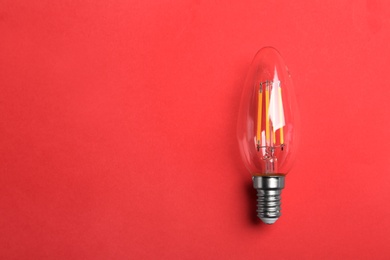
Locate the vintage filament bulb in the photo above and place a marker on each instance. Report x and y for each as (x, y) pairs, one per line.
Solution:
(266, 129)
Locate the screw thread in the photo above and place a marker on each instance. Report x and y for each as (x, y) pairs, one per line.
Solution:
(268, 205)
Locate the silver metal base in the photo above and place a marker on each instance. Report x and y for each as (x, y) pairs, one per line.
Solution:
(269, 190)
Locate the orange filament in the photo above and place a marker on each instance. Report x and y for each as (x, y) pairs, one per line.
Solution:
(259, 114)
(267, 129)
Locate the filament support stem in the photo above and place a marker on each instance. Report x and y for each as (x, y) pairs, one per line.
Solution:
(269, 189)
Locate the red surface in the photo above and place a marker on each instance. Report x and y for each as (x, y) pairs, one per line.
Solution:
(118, 127)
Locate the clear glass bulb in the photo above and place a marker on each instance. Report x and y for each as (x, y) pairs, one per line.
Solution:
(266, 131)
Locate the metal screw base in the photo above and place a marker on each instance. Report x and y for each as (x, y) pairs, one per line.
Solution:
(269, 189)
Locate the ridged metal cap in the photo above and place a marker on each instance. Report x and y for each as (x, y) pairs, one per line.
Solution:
(269, 189)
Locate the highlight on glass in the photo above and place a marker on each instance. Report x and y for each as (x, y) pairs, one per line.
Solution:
(266, 129)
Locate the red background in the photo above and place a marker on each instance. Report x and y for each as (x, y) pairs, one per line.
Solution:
(118, 127)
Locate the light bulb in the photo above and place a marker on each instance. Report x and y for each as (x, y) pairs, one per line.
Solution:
(266, 131)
